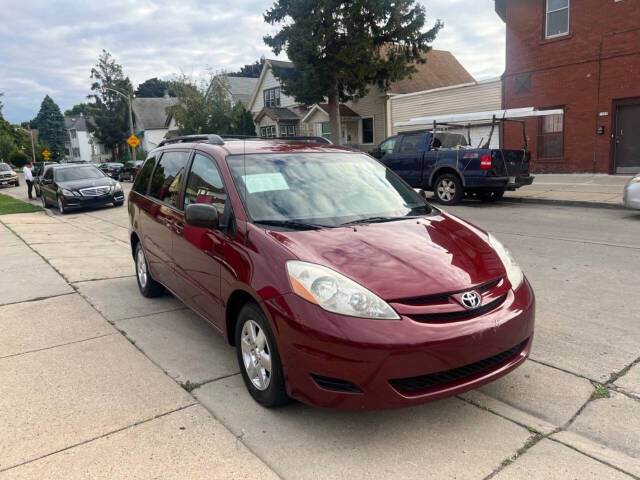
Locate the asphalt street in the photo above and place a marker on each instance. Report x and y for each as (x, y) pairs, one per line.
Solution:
(571, 411)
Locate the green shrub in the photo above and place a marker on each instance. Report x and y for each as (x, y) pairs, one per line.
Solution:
(18, 158)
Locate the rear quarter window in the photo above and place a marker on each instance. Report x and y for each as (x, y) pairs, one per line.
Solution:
(142, 180)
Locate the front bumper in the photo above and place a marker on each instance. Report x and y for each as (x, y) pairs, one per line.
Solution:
(369, 354)
(9, 180)
(71, 202)
(631, 196)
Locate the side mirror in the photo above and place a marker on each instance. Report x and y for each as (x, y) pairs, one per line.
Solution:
(422, 193)
(376, 153)
(201, 215)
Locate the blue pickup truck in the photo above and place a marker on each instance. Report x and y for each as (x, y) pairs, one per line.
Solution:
(444, 163)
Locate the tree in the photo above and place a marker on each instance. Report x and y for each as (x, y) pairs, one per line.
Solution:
(51, 129)
(251, 70)
(6, 147)
(204, 107)
(18, 158)
(111, 115)
(340, 48)
(154, 88)
(84, 109)
(242, 121)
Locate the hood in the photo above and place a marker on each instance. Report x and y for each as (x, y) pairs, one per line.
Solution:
(404, 259)
(86, 183)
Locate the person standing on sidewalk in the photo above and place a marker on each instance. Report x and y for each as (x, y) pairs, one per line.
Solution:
(28, 177)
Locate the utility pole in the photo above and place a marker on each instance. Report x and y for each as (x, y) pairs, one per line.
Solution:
(33, 149)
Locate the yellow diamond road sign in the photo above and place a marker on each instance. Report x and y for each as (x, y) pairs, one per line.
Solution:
(133, 141)
(46, 154)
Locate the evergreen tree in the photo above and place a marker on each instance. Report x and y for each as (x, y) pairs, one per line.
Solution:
(85, 109)
(111, 115)
(242, 121)
(251, 70)
(51, 129)
(154, 88)
(340, 48)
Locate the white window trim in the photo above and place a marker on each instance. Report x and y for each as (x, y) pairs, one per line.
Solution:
(362, 131)
(546, 20)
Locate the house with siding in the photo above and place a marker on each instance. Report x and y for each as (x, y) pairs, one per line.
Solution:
(81, 144)
(151, 122)
(482, 96)
(366, 121)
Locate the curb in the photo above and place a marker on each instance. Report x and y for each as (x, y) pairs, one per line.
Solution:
(565, 203)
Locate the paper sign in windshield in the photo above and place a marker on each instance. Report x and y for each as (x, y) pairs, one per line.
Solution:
(265, 182)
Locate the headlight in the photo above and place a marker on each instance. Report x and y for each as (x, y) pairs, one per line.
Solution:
(514, 272)
(336, 293)
(117, 186)
(67, 193)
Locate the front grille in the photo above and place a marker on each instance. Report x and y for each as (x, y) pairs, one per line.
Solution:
(5, 175)
(433, 380)
(95, 191)
(444, 298)
(459, 315)
(335, 384)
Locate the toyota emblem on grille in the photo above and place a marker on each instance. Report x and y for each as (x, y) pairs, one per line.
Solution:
(471, 300)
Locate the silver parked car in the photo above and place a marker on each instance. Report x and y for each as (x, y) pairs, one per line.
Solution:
(631, 196)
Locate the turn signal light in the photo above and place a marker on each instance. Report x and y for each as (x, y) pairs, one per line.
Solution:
(485, 162)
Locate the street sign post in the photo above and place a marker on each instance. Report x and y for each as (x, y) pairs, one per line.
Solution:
(133, 141)
(46, 154)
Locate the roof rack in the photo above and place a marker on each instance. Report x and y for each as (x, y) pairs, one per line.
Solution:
(219, 140)
(210, 138)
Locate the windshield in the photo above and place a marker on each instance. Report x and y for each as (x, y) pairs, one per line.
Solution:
(323, 189)
(77, 173)
(4, 167)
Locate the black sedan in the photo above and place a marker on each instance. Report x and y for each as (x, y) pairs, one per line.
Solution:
(77, 186)
(112, 169)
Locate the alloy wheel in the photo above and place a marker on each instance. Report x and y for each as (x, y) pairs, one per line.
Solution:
(446, 190)
(141, 268)
(256, 355)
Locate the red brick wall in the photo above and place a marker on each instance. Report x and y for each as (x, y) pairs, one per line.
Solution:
(583, 72)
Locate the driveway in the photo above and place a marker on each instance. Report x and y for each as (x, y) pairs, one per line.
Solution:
(101, 382)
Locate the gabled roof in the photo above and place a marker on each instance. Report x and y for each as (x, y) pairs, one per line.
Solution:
(241, 88)
(441, 69)
(277, 113)
(266, 67)
(76, 122)
(324, 108)
(152, 112)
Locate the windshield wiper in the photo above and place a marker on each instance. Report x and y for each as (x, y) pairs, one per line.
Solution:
(373, 220)
(291, 224)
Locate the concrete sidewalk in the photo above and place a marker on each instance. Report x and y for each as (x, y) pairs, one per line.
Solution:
(573, 189)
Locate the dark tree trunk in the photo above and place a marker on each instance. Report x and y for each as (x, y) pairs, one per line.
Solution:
(334, 119)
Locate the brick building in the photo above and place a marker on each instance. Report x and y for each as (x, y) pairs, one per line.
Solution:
(582, 56)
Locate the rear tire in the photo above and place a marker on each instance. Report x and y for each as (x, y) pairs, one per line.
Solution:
(148, 286)
(448, 189)
(259, 359)
(490, 196)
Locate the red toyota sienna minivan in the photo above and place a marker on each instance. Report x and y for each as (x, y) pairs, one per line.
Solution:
(337, 283)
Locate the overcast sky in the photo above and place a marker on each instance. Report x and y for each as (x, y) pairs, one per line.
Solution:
(49, 47)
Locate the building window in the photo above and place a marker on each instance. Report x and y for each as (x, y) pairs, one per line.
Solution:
(556, 18)
(551, 136)
(287, 130)
(271, 97)
(326, 130)
(76, 153)
(367, 131)
(522, 83)
(268, 131)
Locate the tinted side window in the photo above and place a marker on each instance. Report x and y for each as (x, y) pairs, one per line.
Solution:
(411, 143)
(205, 184)
(168, 176)
(49, 174)
(142, 180)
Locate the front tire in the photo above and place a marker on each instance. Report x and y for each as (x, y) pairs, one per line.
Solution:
(448, 189)
(259, 359)
(44, 201)
(148, 286)
(61, 207)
